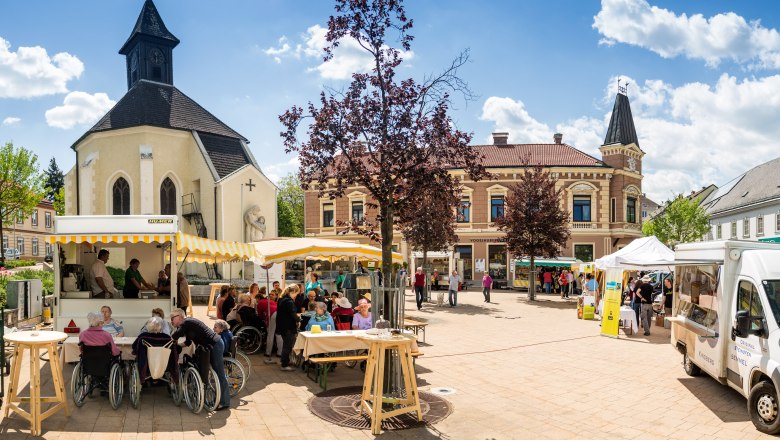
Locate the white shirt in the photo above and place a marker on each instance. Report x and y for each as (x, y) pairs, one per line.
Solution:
(99, 271)
(454, 279)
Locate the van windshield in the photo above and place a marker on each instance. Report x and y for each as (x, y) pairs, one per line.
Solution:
(772, 289)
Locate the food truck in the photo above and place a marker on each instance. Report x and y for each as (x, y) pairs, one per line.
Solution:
(726, 319)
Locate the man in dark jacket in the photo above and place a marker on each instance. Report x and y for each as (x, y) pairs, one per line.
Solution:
(287, 323)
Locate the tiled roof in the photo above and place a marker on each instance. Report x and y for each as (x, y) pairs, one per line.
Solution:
(160, 105)
(226, 154)
(149, 23)
(757, 185)
(621, 125)
(512, 155)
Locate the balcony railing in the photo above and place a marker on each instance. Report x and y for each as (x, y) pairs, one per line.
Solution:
(584, 225)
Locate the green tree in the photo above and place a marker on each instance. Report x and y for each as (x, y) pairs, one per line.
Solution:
(55, 180)
(59, 201)
(21, 184)
(290, 207)
(682, 220)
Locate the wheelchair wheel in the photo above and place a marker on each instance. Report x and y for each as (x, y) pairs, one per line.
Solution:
(135, 386)
(211, 391)
(79, 385)
(243, 359)
(249, 339)
(116, 386)
(236, 377)
(174, 389)
(192, 389)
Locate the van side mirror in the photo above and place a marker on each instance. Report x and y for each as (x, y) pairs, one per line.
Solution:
(744, 324)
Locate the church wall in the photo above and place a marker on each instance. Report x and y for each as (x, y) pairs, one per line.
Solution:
(70, 191)
(262, 195)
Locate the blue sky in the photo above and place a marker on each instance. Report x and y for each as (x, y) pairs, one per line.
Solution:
(704, 82)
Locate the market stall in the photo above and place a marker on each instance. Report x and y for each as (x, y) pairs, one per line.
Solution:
(521, 268)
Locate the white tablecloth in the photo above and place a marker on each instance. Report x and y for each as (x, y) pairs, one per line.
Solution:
(332, 342)
(628, 317)
(71, 352)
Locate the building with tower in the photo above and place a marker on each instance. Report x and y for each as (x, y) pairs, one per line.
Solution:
(157, 151)
(603, 198)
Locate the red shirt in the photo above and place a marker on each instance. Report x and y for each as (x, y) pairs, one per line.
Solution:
(548, 277)
(262, 309)
(419, 279)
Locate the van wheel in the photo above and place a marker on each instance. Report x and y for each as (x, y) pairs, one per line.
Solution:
(763, 407)
(691, 369)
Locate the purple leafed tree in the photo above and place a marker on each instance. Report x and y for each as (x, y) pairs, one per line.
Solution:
(535, 223)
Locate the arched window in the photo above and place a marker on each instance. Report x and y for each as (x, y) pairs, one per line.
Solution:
(121, 194)
(167, 197)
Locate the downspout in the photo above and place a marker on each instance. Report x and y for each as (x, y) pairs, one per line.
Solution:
(78, 186)
(215, 213)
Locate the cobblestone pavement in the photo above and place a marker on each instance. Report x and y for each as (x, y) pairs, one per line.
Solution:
(519, 370)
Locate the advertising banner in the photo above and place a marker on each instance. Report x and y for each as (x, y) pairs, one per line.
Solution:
(613, 288)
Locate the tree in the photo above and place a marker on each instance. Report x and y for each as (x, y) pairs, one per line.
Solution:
(682, 220)
(55, 180)
(392, 137)
(59, 201)
(534, 222)
(21, 184)
(290, 207)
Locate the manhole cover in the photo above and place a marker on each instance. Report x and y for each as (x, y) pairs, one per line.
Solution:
(443, 391)
(341, 406)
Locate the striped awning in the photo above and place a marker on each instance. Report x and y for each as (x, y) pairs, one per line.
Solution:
(125, 238)
(275, 250)
(205, 250)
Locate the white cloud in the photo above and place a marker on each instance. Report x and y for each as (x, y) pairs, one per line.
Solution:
(276, 171)
(693, 135)
(726, 36)
(11, 120)
(79, 108)
(348, 57)
(30, 72)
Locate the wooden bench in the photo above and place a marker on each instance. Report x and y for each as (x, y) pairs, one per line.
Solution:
(322, 366)
(416, 327)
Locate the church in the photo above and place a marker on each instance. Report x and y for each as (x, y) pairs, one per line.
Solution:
(157, 151)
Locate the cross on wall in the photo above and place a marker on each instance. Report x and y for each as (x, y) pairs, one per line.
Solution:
(250, 185)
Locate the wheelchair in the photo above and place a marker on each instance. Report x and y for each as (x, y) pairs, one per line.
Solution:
(98, 368)
(134, 387)
(197, 392)
(235, 372)
(250, 338)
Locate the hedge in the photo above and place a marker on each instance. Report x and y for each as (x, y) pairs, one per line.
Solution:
(12, 264)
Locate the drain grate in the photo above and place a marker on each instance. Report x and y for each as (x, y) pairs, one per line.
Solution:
(443, 391)
(341, 406)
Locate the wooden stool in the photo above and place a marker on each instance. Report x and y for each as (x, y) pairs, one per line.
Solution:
(215, 287)
(34, 341)
(372, 397)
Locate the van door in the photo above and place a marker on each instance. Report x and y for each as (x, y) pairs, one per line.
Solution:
(746, 351)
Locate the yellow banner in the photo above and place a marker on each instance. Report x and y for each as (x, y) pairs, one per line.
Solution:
(613, 288)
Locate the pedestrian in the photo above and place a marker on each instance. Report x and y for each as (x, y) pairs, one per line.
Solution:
(453, 288)
(419, 287)
(487, 283)
(646, 299)
(636, 304)
(547, 277)
(563, 281)
(570, 283)
(667, 291)
(287, 323)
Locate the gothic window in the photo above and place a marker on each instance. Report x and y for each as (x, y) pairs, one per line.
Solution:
(167, 197)
(121, 197)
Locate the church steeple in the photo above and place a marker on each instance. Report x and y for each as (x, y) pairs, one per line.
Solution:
(621, 126)
(149, 49)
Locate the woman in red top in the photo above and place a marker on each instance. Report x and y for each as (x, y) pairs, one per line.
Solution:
(562, 281)
(419, 286)
(547, 277)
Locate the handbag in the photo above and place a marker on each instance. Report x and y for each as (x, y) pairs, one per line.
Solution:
(158, 358)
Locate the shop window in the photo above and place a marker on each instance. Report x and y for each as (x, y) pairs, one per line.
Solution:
(698, 293)
(718, 231)
(47, 219)
(34, 217)
(47, 246)
(5, 242)
(613, 210)
(631, 210)
(167, 197)
(19, 218)
(327, 215)
(20, 245)
(497, 261)
(464, 210)
(121, 197)
(583, 252)
(465, 253)
(581, 209)
(35, 246)
(357, 212)
(746, 228)
(733, 229)
(760, 225)
(496, 207)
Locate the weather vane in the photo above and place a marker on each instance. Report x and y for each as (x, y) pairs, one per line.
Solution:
(622, 89)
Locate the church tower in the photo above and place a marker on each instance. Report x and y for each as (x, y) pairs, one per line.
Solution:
(621, 145)
(149, 49)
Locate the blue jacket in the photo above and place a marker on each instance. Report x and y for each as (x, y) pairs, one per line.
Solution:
(323, 324)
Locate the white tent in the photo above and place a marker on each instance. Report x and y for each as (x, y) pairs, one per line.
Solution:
(645, 253)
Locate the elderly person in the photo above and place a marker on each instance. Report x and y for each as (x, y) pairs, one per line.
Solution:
(152, 334)
(166, 326)
(113, 327)
(246, 314)
(321, 317)
(195, 331)
(287, 323)
(362, 319)
(222, 328)
(95, 336)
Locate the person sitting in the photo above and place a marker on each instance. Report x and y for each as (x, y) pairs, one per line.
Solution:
(311, 297)
(113, 328)
(222, 328)
(95, 336)
(321, 318)
(152, 334)
(330, 301)
(166, 326)
(342, 306)
(229, 304)
(246, 314)
(134, 282)
(307, 315)
(362, 319)
(223, 294)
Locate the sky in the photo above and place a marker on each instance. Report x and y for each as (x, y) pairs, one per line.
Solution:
(703, 77)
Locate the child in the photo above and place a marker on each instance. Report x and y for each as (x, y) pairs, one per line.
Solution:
(223, 330)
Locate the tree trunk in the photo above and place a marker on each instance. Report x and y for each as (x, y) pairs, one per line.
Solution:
(532, 280)
(386, 228)
(2, 243)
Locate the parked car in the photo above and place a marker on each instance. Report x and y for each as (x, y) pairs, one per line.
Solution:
(12, 254)
(48, 258)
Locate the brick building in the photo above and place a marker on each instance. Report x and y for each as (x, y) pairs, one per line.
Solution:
(27, 234)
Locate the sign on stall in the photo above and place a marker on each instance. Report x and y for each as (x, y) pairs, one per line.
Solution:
(610, 317)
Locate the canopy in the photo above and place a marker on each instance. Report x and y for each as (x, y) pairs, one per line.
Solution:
(204, 250)
(548, 262)
(770, 239)
(646, 253)
(275, 250)
(109, 238)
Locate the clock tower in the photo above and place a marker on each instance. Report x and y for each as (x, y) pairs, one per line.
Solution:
(149, 49)
(621, 145)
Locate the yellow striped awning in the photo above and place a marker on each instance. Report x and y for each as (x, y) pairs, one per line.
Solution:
(110, 238)
(205, 250)
(275, 250)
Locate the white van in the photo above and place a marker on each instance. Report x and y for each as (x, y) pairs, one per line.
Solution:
(726, 320)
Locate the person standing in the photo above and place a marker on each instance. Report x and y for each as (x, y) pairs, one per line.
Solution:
(563, 282)
(182, 292)
(102, 284)
(636, 304)
(419, 287)
(487, 283)
(646, 300)
(667, 291)
(547, 278)
(453, 288)
(134, 282)
(570, 283)
(287, 323)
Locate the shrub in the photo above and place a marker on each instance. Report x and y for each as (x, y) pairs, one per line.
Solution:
(47, 280)
(11, 264)
(118, 275)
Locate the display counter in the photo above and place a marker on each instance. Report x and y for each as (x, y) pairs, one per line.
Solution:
(131, 313)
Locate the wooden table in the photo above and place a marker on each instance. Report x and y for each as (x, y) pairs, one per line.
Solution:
(308, 343)
(34, 341)
(415, 326)
(373, 392)
(215, 287)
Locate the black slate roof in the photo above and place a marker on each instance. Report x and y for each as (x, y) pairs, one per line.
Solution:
(149, 23)
(621, 126)
(226, 154)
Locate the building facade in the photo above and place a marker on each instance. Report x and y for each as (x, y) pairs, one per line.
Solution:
(602, 196)
(27, 233)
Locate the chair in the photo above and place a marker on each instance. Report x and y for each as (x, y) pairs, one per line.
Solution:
(343, 321)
